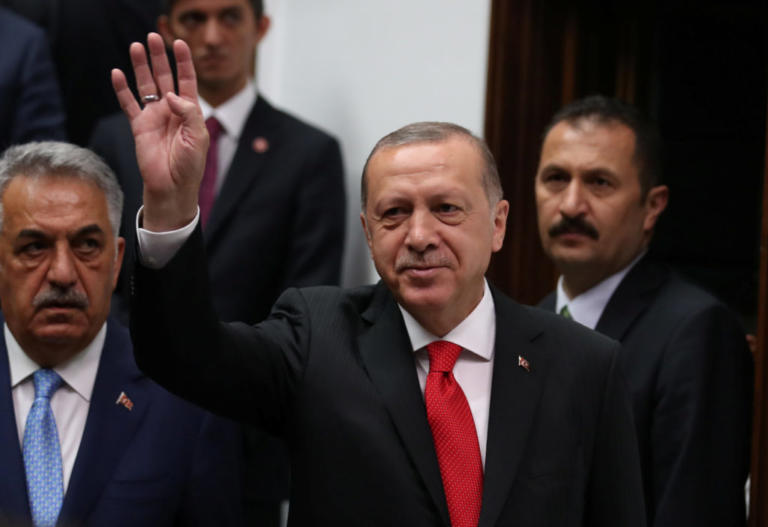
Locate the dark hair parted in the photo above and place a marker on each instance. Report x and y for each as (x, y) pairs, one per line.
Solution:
(257, 5)
(437, 132)
(607, 110)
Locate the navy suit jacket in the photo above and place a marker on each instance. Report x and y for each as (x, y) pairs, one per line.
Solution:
(690, 376)
(164, 462)
(332, 370)
(30, 101)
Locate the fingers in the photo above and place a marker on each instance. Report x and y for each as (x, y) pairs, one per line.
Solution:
(160, 66)
(145, 82)
(185, 70)
(124, 95)
(190, 114)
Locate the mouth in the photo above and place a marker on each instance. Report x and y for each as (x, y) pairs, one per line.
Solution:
(421, 272)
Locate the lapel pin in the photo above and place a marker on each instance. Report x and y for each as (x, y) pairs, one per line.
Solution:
(260, 145)
(523, 363)
(125, 401)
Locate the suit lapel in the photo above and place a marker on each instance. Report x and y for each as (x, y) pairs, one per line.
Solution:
(386, 353)
(109, 427)
(245, 167)
(633, 296)
(515, 394)
(13, 483)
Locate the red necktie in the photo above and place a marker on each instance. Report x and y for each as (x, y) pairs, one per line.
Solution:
(455, 437)
(208, 185)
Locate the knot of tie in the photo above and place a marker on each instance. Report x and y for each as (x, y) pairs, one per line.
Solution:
(442, 355)
(214, 128)
(46, 383)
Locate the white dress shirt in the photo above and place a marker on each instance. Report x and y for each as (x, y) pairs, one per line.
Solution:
(588, 307)
(476, 333)
(69, 403)
(232, 115)
(473, 370)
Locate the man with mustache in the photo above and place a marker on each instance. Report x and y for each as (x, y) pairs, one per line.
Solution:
(273, 216)
(599, 195)
(428, 399)
(85, 438)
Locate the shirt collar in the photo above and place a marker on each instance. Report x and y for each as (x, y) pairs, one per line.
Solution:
(476, 333)
(233, 113)
(588, 307)
(79, 372)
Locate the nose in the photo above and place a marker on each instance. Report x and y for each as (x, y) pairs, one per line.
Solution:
(574, 202)
(422, 232)
(212, 32)
(62, 272)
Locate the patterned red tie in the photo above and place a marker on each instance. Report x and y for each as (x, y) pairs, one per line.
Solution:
(208, 185)
(455, 437)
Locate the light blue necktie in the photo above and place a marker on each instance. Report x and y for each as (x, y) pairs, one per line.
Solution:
(42, 454)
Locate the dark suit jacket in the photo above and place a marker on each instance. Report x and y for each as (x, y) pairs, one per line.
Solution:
(333, 372)
(30, 101)
(690, 376)
(165, 462)
(277, 222)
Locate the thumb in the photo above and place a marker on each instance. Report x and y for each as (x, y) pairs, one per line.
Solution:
(191, 117)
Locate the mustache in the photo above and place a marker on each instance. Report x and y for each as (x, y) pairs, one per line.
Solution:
(576, 225)
(60, 297)
(409, 260)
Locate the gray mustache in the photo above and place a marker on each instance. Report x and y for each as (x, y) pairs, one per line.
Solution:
(420, 260)
(58, 297)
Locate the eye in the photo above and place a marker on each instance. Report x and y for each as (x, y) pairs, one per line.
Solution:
(32, 249)
(87, 246)
(231, 17)
(555, 179)
(191, 20)
(447, 208)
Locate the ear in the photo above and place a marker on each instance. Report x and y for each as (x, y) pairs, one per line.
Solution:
(164, 28)
(499, 224)
(262, 26)
(118, 260)
(367, 233)
(655, 203)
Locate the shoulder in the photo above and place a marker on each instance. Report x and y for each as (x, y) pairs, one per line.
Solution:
(292, 126)
(15, 27)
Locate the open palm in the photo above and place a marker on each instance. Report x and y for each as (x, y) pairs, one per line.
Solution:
(169, 133)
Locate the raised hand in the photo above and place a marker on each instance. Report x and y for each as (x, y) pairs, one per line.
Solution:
(169, 132)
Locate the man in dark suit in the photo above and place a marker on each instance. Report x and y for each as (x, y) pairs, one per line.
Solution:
(684, 353)
(30, 102)
(429, 399)
(85, 438)
(279, 212)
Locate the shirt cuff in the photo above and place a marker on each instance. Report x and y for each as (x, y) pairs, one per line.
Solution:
(157, 248)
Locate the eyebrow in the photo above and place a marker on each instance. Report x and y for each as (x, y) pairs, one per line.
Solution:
(83, 231)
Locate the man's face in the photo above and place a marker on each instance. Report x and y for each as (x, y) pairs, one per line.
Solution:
(222, 35)
(592, 216)
(430, 228)
(58, 265)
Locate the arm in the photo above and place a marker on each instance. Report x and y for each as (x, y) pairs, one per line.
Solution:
(39, 112)
(700, 434)
(317, 237)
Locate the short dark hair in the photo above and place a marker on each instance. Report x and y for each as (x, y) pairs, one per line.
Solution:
(607, 110)
(257, 5)
(437, 132)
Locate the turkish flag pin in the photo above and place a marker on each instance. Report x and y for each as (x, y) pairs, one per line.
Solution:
(125, 401)
(260, 145)
(523, 363)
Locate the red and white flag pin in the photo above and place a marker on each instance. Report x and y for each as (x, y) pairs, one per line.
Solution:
(523, 363)
(260, 145)
(125, 401)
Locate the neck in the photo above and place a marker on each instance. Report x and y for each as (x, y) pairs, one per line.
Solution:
(218, 94)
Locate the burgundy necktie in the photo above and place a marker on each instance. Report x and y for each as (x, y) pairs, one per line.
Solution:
(208, 185)
(455, 437)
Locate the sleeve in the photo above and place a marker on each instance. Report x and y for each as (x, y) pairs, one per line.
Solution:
(39, 110)
(700, 436)
(317, 236)
(615, 491)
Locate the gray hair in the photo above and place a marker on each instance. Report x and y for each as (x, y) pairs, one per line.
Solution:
(437, 132)
(58, 159)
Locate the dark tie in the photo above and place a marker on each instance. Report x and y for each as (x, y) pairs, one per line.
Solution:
(208, 185)
(454, 435)
(42, 454)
